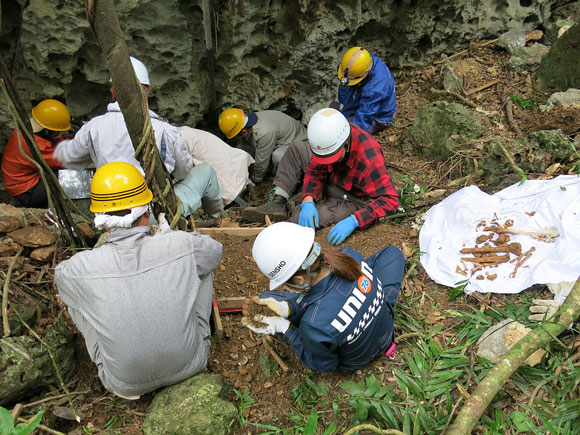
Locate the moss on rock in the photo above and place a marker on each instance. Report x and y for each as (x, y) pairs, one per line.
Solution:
(196, 406)
(440, 128)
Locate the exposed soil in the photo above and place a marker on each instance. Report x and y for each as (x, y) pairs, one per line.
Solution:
(240, 356)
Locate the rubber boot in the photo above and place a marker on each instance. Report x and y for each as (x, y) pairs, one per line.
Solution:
(275, 209)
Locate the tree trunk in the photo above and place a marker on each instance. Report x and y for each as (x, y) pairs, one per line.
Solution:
(509, 363)
(559, 67)
(56, 197)
(104, 22)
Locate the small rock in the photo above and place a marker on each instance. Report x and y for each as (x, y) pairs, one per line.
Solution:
(86, 230)
(6, 261)
(8, 249)
(34, 237)
(9, 223)
(10, 210)
(43, 254)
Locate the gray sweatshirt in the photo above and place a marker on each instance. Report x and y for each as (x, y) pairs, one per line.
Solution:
(143, 306)
(272, 130)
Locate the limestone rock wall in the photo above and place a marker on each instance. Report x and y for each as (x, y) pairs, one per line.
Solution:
(270, 54)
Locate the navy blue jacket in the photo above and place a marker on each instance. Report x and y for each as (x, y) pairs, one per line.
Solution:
(346, 324)
(371, 99)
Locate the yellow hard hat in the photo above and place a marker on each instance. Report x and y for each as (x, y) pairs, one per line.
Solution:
(231, 121)
(52, 114)
(118, 186)
(355, 66)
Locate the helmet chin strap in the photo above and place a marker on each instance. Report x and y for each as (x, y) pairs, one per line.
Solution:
(306, 264)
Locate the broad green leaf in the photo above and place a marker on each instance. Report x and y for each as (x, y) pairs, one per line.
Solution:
(417, 424)
(524, 422)
(331, 428)
(6, 421)
(407, 422)
(311, 423)
(361, 410)
(352, 388)
(30, 427)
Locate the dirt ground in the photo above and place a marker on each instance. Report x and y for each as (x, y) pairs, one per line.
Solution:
(237, 355)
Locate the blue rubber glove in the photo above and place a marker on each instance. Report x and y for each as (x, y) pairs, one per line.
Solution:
(308, 215)
(342, 230)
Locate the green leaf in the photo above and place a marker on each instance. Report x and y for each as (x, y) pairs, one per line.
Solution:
(524, 422)
(6, 421)
(361, 410)
(407, 422)
(417, 424)
(22, 429)
(352, 388)
(311, 423)
(331, 428)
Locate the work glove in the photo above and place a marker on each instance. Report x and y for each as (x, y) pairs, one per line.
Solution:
(272, 325)
(342, 230)
(279, 307)
(544, 309)
(308, 215)
(163, 224)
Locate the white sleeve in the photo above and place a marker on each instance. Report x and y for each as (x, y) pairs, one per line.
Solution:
(75, 153)
(183, 160)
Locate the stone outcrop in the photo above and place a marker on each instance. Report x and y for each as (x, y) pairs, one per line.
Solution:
(273, 55)
(197, 405)
(26, 365)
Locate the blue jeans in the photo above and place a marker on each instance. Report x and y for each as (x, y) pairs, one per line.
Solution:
(200, 189)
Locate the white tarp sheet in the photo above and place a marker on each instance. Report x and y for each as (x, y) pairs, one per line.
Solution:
(452, 225)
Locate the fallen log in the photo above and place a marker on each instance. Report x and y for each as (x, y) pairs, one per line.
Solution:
(539, 337)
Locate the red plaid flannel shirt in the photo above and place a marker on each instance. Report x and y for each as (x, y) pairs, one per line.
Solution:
(363, 173)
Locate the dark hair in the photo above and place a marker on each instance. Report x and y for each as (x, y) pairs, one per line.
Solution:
(120, 213)
(343, 265)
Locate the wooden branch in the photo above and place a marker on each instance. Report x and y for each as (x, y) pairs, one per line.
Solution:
(217, 320)
(374, 429)
(539, 337)
(57, 199)
(104, 22)
(481, 88)
(463, 52)
(456, 95)
(5, 323)
(275, 356)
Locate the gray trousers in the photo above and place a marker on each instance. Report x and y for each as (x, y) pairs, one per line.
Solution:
(335, 204)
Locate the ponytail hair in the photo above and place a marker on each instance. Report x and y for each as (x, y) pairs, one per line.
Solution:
(343, 265)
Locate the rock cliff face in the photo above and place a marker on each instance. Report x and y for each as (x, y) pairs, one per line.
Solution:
(268, 54)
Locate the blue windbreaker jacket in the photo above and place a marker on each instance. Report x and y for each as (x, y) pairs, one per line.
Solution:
(346, 324)
(371, 99)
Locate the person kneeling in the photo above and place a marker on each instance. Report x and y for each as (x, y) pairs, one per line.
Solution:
(141, 302)
(343, 313)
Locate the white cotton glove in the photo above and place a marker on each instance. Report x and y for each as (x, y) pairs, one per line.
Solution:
(274, 325)
(279, 307)
(544, 309)
(163, 225)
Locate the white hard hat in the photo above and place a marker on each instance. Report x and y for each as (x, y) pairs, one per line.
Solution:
(281, 249)
(141, 71)
(328, 131)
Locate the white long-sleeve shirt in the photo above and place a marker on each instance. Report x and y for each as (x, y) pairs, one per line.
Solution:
(230, 164)
(105, 139)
